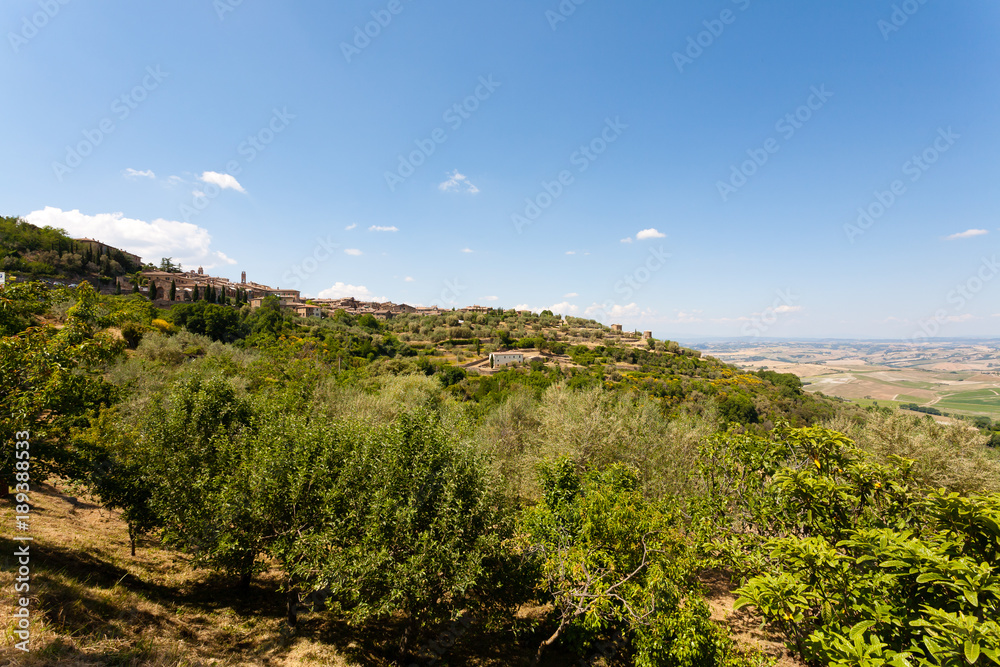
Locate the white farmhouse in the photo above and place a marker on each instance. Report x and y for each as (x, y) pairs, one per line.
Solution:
(499, 359)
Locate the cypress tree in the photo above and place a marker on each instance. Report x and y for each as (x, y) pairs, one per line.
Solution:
(173, 290)
(152, 291)
(194, 293)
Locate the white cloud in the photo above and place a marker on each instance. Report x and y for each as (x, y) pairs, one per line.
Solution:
(376, 228)
(688, 318)
(342, 290)
(466, 249)
(967, 234)
(616, 311)
(186, 243)
(627, 239)
(458, 183)
(491, 298)
(409, 279)
(350, 226)
(564, 308)
(571, 252)
(571, 295)
(650, 234)
(222, 256)
(354, 252)
(964, 317)
(224, 181)
(522, 306)
(135, 173)
(174, 180)
(787, 309)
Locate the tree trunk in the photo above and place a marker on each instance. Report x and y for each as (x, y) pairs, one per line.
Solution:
(548, 642)
(131, 539)
(406, 640)
(4, 489)
(292, 603)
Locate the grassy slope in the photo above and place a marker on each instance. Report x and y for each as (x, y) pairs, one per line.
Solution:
(94, 604)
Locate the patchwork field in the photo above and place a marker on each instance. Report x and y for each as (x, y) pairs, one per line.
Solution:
(961, 377)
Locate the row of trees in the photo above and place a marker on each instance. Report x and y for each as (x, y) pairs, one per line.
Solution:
(49, 252)
(398, 488)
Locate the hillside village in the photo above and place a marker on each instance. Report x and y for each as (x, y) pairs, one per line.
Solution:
(335, 418)
(167, 286)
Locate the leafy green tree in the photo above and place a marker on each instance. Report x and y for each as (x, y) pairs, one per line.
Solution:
(612, 562)
(738, 408)
(20, 303)
(167, 264)
(268, 321)
(368, 321)
(194, 457)
(119, 472)
(412, 524)
(51, 380)
(850, 558)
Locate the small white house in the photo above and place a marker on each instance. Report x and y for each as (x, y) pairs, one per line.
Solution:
(500, 359)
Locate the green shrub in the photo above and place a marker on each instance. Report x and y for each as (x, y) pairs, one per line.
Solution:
(849, 557)
(132, 333)
(612, 562)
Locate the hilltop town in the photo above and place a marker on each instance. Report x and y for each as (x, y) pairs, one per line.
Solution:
(169, 284)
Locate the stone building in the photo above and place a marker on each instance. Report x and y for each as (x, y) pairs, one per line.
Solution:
(501, 359)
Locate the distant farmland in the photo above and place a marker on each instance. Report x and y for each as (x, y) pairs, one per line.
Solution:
(954, 377)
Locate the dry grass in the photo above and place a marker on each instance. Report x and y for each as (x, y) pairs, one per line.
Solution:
(92, 603)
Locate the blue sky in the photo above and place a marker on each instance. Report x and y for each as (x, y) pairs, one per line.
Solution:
(696, 170)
